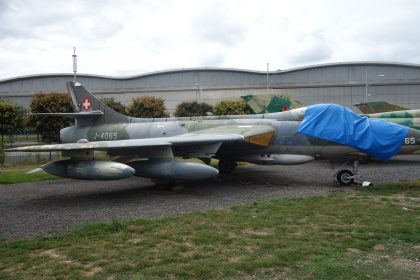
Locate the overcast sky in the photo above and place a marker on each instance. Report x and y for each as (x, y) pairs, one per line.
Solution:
(124, 37)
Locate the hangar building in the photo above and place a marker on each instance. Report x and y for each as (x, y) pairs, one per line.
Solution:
(342, 83)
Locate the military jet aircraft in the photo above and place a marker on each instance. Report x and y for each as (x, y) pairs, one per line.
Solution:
(410, 118)
(270, 103)
(148, 147)
(379, 107)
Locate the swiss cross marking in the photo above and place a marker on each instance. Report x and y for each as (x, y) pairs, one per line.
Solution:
(86, 104)
(285, 108)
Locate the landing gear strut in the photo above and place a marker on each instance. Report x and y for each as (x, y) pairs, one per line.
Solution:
(347, 177)
(226, 165)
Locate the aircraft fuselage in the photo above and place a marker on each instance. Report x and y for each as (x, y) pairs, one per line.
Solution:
(285, 140)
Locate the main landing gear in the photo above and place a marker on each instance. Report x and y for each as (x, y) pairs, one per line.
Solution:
(226, 165)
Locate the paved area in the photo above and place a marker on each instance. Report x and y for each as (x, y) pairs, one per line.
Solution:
(54, 206)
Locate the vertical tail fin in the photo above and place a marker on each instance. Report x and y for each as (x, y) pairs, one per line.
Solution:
(84, 101)
(378, 107)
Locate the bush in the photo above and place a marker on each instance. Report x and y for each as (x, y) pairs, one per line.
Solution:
(232, 107)
(147, 107)
(113, 104)
(192, 109)
(49, 127)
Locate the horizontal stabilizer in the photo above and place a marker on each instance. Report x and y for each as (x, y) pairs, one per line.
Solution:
(92, 114)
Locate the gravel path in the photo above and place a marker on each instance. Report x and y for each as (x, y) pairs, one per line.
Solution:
(54, 206)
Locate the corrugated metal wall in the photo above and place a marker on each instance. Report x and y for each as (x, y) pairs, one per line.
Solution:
(343, 83)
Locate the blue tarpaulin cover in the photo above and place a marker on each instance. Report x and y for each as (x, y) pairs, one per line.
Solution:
(378, 138)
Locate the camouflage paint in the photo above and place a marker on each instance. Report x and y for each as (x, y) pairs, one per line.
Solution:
(378, 107)
(410, 118)
(270, 103)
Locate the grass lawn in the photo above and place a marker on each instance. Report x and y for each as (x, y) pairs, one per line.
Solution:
(18, 174)
(371, 234)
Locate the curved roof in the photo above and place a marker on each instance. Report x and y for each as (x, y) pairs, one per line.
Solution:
(331, 74)
(354, 63)
(216, 69)
(209, 69)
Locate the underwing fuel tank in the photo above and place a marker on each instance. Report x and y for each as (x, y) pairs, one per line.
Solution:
(89, 169)
(278, 159)
(173, 170)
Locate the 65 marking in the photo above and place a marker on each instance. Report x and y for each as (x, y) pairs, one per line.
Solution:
(410, 141)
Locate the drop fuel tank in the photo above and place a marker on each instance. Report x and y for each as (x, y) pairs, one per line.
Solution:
(89, 169)
(173, 170)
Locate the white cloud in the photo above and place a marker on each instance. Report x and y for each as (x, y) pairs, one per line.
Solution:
(132, 37)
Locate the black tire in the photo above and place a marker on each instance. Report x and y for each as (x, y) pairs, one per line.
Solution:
(343, 177)
(226, 165)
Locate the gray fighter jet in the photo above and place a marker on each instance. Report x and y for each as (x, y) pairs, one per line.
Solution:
(148, 147)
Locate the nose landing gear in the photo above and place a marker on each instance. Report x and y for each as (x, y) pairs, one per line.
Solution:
(346, 177)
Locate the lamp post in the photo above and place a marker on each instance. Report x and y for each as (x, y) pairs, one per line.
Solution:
(367, 85)
(197, 92)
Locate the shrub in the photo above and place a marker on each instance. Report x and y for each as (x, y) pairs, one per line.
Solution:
(147, 107)
(113, 104)
(232, 107)
(192, 109)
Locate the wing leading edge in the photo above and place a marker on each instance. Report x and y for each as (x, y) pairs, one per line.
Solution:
(254, 134)
(185, 139)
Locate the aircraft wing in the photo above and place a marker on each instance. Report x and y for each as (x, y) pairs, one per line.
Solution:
(200, 143)
(131, 144)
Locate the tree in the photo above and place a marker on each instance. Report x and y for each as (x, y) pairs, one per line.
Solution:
(147, 107)
(232, 107)
(115, 105)
(20, 126)
(54, 102)
(191, 109)
(9, 118)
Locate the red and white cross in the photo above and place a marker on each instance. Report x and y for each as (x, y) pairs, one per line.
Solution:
(86, 104)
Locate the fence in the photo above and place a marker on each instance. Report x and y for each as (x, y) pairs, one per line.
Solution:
(28, 158)
(19, 140)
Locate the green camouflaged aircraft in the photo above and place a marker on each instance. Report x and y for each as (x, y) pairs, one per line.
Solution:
(410, 118)
(392, 113)
(318, 132)
(379, 107)
(270, 103)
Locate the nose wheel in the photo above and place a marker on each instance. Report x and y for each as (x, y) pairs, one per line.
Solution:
(345, 177)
